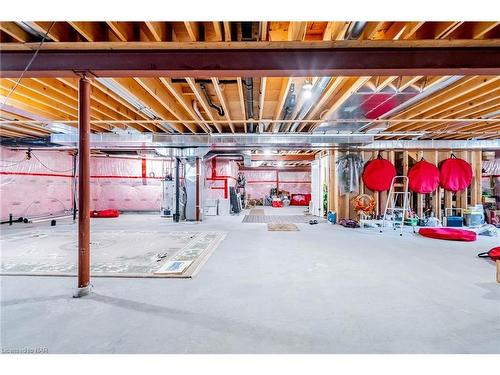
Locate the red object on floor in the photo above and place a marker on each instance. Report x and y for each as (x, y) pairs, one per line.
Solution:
(493, 254)
(448, 234)
(277, 204)
(378, 174)
(456, 174)
(423, 177)
(104, 213)
(300, 199)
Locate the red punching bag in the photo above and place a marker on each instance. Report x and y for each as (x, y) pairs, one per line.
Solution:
(423, 177)
(456, 174)
(378, 174)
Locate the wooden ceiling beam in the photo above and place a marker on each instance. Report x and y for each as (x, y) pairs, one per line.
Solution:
(15, 31)
(92, 31)
(193, 30)
(227, 31)
(285, 88)
(199, 97)
(371, 29)
(56, 31)
(241, 99)
(31, 97)
(38, 109)
(222, 101)
(410, 31)
(160, 31)
(297, 31)
(451, 92)
(263, 31)
(123, 30)
(144, 96)
(262, 98)
(155, 88)
(218, 31)
(333, 85)
(177, 94)
(99, 101)
(480, 29)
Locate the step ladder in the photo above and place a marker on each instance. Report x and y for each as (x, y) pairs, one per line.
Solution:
(397, 205)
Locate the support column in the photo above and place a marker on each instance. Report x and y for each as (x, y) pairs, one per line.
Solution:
(83, 187)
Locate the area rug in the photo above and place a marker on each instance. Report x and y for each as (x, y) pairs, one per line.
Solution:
(257, 211)
(279, 219)
(114, 253)
(282, 227)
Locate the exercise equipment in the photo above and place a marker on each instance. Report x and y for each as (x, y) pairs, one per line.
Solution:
(455, 174)
(423, 177)
(378, 174)
(451, 234)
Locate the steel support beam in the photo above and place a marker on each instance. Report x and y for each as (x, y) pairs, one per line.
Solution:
(83, 187)
(403, 60)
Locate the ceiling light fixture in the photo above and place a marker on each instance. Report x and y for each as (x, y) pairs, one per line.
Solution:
(307, 89)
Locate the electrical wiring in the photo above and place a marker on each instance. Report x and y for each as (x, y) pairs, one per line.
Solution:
(50, 169)
(12, 163)
(28, 65)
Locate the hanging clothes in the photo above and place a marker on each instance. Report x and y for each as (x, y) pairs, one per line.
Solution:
(348, 171)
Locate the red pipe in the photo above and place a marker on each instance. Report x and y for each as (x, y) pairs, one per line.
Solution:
(143, 171)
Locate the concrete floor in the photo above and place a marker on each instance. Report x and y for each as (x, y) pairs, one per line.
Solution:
(324, 289)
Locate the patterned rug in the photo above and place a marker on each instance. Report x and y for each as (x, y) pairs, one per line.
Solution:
(115, 253)
(257, 211)
(279, 219)
(282, 227)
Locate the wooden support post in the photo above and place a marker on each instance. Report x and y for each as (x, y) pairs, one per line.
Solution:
(420, 197)
(476, 191)
(361, 183)
(83, 187)
(436, 196)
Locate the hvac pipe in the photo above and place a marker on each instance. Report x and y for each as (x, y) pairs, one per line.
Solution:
(252, 121)
(83, 187)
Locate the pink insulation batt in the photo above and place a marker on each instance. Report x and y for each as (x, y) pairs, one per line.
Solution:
(43, 184)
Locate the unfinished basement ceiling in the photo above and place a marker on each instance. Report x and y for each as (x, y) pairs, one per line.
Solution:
(385, 107)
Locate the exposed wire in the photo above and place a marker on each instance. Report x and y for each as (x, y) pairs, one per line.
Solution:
(12, 162)
(28, 65)
(50, 169)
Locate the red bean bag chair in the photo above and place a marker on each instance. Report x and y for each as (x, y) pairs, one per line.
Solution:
(104, 213)
(423, 177)
(456, 174)
(378, 174)
(300, 199)
(451, 234)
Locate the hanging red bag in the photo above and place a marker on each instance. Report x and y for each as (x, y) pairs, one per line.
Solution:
(423, 177)
(378, 174)
(456, 174)
(493, 254)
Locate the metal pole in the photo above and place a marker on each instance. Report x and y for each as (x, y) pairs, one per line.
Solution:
(198, 216)
(84, 188)
(75, 207)
(177, 190)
